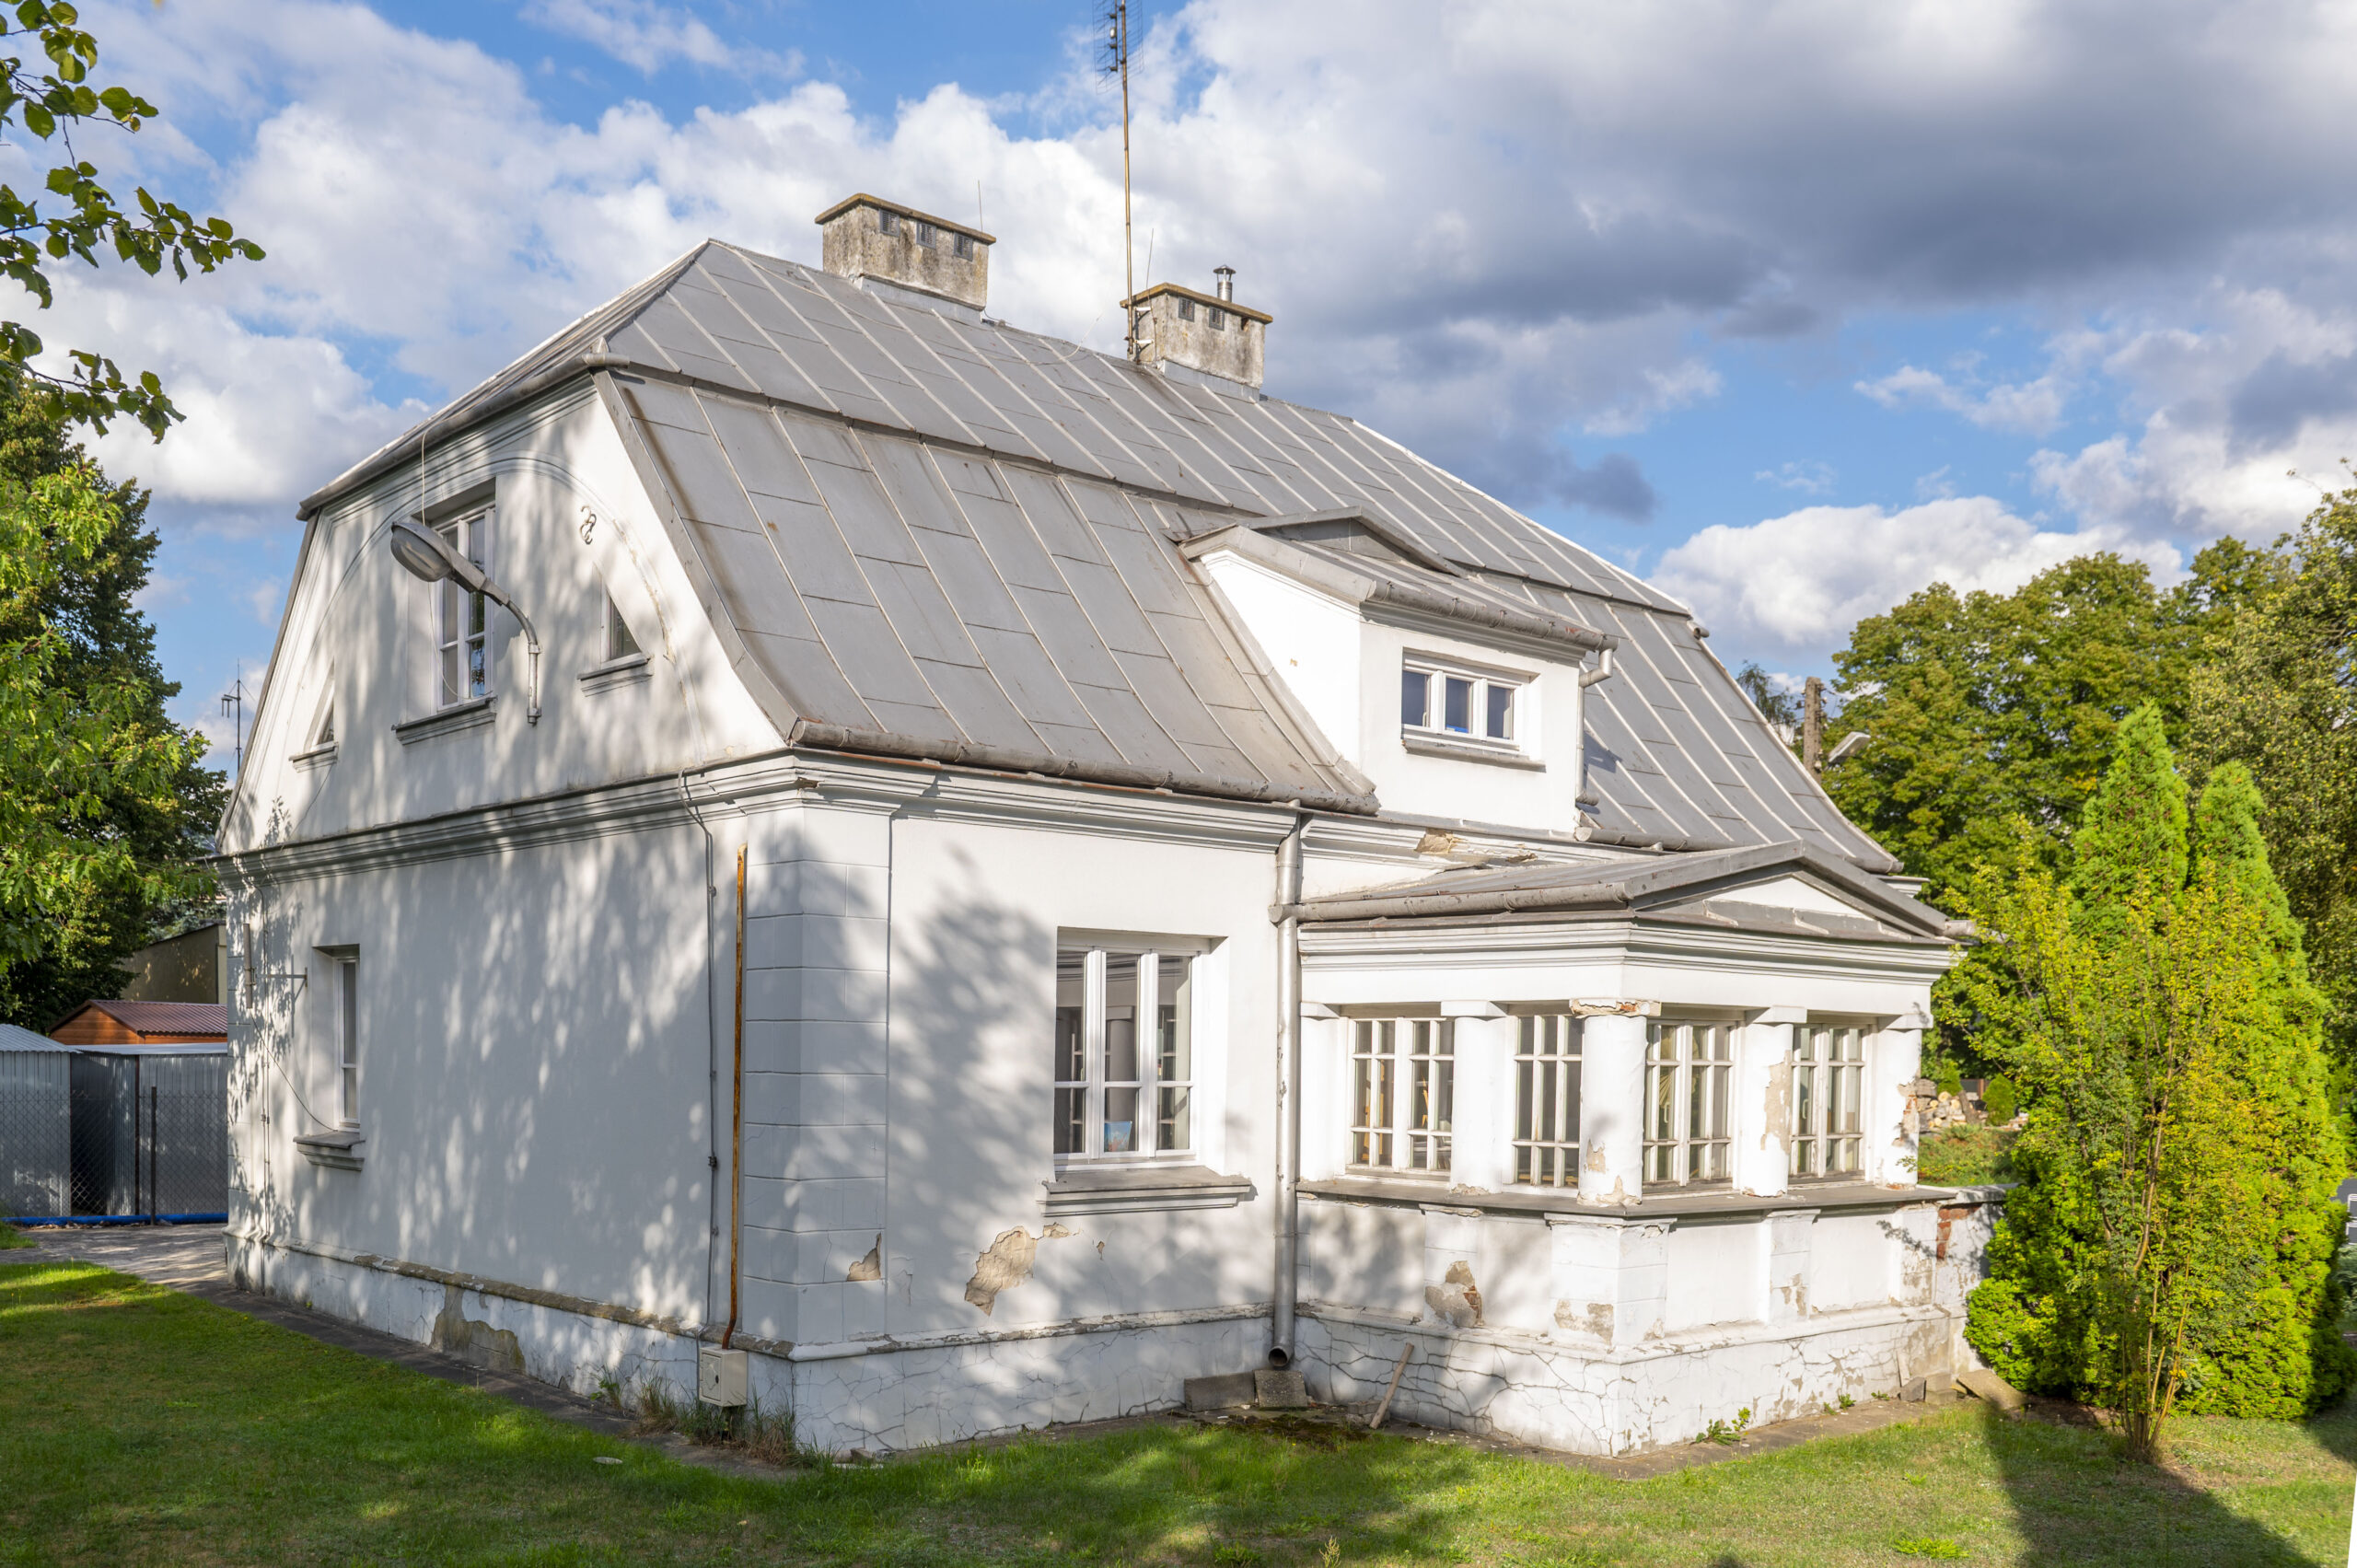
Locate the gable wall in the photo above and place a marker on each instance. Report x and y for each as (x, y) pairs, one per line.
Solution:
(358, 630)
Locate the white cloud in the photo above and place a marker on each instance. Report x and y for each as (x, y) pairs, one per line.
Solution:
(648, 37)
(2031, 408)
(1799, 582)
(1808, 477)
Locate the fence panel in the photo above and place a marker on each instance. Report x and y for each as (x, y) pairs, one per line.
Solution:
(36, 1134)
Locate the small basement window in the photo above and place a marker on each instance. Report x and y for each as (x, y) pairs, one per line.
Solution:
(1124, 1053)
(1464, 704)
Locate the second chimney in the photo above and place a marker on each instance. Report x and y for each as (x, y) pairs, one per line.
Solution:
(866, 237)
(1208, 332)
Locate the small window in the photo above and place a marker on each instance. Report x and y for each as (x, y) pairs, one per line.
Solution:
(618, 643)
(888, 222)
(1688, 1066)
(1403, 1093)
(1124, 1053)
(1546, 1103)
(1828, 1068)
(1460, 704)
(1219, 319)
(326, 735)
(962, 246)
(1186, 308)
(461, 619)
(347, 1037)
(927, 235)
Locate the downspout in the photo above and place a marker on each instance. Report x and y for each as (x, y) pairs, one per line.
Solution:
(1288, 1281)
(737, 1122)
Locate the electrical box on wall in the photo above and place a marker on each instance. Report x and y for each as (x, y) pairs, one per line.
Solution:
(720, 1377)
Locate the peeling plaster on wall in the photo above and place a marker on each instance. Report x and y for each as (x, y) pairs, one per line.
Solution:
(472, 1339)
(1006, 1263)
(1456, 1299)
(870, 1267)
(1777, 1114)
(1594, 1320)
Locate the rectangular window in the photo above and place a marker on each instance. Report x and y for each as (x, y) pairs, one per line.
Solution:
(888, 222)
(1186, 308)
(1124, 1053)
(1219, 319)
(1688, 1066)
(927, 235)
(347, 1037)
(461, 619)
(1462, 703)
(620, 644)
(962, 246)
(1546, 1103)
(1828, 1073)
(1403, 1093)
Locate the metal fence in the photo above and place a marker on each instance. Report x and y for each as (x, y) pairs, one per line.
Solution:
(150, 1134)
(35, 1133)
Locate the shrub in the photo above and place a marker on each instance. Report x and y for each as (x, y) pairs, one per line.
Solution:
(1999, 1102)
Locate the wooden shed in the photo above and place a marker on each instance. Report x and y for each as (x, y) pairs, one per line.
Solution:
(142, 1023)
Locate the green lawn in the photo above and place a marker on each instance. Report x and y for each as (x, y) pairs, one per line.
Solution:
(139, 1426)
(11, 1236)
(1966, 1155)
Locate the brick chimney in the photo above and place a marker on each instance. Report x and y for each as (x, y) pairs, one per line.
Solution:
(883, 243)
(1208, 332)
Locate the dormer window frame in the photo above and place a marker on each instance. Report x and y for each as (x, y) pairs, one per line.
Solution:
(1494, 703)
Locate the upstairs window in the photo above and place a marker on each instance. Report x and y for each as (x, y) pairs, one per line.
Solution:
(1829, 1070)
(1124, 1053)
(1460, 704)
(1546, 1103)
(888, 222)
(618, 643)
(1404, 1094)
(927, 235)
(1688, 1066)
(1186, 308)
(1219, 319)
(962, 246)
(461, 619)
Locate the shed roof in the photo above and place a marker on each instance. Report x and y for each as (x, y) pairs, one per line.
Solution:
(154, 1021)
(954, 539)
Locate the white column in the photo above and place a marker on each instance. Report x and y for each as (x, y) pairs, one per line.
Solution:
(1482, 1153)
(1788, 1238)
(1612, 1101)
(1895, 1058)
(1763, 1100)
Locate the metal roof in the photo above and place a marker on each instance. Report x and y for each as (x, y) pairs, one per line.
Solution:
(951, 538)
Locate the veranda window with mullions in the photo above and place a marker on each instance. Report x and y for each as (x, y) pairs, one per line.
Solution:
(1688, 1069)
(1828, 1076)
(1124, 1053)
(1546, 1101)
(1404, 1094)
(1458, 703)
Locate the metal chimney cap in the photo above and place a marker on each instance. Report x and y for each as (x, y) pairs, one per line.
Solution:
(1226, 287)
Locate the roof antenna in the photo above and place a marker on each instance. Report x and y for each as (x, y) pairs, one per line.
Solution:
(1117, 63)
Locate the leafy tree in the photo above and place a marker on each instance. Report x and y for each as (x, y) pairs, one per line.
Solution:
(1776, 706)
(2279, 695)
(80, 752)
(48, 99)
(2172, 1243)
(1992, 710)
(101, 641)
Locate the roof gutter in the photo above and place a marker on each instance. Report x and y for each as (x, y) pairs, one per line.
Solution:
(1007, 759)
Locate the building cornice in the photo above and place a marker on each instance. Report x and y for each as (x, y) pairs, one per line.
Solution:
(1650, 940)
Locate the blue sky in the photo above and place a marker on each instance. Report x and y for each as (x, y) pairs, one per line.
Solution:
(1792, 311)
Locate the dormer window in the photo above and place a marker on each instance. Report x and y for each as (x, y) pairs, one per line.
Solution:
(1460, 704)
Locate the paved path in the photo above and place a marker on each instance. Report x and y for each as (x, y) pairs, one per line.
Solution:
(190, 1258)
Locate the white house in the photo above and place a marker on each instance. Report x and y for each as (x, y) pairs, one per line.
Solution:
(998, 878)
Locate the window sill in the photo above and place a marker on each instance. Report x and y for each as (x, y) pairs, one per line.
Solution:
(1469, 750)
(339, 1150)
(628, 670)
(1128, 1189)
(474, 714)
(317, 757)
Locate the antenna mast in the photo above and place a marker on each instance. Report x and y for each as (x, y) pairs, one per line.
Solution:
(1117, 63)
(233, 708)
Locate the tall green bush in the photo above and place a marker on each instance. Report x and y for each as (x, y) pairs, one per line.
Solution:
(2171, 1243)
(2000, 1100)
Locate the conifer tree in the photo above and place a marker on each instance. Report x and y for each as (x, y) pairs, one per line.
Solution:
(2172, 1245)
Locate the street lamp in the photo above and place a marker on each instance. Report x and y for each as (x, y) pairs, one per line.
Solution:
(424, 555)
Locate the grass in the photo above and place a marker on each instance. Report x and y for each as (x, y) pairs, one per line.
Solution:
(1966, 1155)
(11, 1236)
(138, 1425)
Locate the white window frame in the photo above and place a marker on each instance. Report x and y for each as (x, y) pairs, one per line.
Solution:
(1157, 1089)
(1827, 1140)
(1403, 1096)
(347, 1038)
(616, 641)
(462, 670)
(1546, 1100)
(1437, 674)
(1690, 1117)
